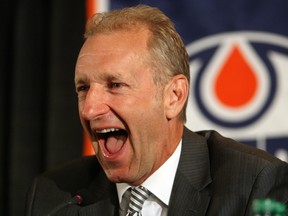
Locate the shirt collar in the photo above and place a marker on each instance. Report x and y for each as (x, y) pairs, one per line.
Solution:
(160, 183)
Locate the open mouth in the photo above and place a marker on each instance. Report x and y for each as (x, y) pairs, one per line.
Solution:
(111, 140)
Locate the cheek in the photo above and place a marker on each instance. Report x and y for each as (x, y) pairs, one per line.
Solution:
(96, 149)
(81, 103)
(82, 120)
(85, 125)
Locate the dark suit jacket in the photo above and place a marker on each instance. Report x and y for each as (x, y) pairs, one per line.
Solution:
(215, 176)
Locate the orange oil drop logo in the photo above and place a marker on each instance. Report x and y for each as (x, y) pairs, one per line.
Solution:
(236, 83)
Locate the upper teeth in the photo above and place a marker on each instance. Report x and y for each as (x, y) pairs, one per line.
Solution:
(107, 130)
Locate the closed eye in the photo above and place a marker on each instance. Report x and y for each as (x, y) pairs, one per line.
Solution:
(82, 88)
(115, 85)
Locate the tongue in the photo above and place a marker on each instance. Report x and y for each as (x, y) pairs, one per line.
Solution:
(114, 143)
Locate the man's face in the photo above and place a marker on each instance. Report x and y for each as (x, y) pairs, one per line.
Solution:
(120, 107)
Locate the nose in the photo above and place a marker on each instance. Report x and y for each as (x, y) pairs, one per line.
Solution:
(94, 105)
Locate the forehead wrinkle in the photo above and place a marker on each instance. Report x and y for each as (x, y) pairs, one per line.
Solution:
(93, 53)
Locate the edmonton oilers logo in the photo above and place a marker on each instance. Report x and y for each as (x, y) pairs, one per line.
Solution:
(233, 79)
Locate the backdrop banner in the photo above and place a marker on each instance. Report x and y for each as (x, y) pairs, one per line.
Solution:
(239, 58)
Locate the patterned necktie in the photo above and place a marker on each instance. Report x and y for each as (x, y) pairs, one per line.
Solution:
(138, 196)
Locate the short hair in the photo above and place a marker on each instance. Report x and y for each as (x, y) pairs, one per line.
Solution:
(167, 50)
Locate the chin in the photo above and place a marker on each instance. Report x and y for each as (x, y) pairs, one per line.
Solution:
(120, 178)
(115, 176)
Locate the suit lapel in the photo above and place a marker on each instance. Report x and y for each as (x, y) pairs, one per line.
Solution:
(190, 193)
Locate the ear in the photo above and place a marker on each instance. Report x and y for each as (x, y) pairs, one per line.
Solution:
(176, 93)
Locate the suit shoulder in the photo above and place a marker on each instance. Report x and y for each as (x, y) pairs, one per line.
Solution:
(223, 146)
(79, 172)
(241, 173)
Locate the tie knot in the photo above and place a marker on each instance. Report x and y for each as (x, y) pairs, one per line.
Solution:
(138, 195)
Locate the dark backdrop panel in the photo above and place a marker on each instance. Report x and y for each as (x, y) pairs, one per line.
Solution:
(5, 76)
(39, 124)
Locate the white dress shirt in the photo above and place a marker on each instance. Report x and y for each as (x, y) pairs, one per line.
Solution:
(160, 185)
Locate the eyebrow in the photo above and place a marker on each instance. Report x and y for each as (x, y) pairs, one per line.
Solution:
(102, 76)
(80, 81)
(113, 76)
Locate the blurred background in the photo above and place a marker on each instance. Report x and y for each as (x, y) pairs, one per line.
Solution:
(239, 72)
